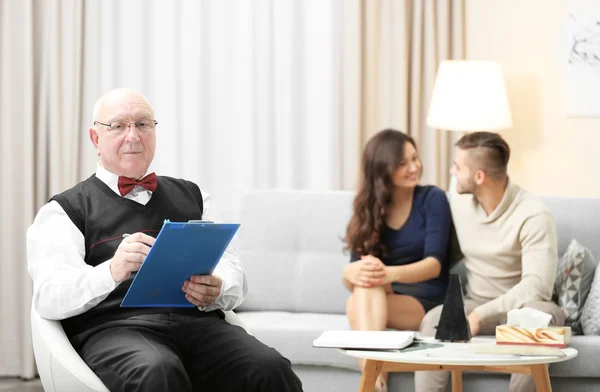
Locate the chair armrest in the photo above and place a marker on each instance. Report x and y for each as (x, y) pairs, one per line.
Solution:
(234, 319)
(59, 365)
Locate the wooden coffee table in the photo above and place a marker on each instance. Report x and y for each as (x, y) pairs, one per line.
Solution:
(456, 357)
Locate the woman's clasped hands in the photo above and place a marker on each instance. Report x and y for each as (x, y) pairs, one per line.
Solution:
(369, 271)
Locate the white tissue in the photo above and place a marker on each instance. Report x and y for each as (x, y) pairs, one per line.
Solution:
(528, 318)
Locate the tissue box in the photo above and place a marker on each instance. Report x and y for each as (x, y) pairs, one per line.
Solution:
(547, 336)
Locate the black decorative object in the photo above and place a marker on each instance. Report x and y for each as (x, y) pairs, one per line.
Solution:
(453, 325)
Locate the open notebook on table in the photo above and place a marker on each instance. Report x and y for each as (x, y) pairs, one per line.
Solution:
(365, 340)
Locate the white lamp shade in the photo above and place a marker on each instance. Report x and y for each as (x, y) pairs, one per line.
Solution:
(469, 96)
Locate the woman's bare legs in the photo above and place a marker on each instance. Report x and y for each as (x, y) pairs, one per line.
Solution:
(377, 308)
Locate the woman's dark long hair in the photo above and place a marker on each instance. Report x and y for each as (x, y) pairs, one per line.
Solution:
(381, 157)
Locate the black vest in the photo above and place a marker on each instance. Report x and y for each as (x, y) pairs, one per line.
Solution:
(103, 217)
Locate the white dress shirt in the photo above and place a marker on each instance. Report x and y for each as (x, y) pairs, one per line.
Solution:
(65, 286)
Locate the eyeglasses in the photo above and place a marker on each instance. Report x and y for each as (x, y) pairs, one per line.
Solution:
(117, 128)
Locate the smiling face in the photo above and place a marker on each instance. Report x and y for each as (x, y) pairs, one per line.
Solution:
(390, 162)
(128, 153)
(408, 172)
(465, 176)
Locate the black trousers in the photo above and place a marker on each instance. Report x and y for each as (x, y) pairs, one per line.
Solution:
(170, 352)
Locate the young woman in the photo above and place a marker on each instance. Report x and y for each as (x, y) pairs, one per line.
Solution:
(399, 241)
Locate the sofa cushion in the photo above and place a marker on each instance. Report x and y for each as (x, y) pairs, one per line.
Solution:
(292, 334)
(290, 243)
(575, 272)
(576, 218)
(585, 364)
(590, 316)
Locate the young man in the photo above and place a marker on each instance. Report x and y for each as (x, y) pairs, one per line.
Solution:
(82, 265)
(508, 238)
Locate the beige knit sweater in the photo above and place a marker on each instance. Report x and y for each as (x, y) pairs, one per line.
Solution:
(510, 255)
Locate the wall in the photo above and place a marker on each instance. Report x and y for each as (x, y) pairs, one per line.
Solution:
(551, 154)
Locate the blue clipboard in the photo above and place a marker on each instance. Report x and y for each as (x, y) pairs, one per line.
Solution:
(181, 249)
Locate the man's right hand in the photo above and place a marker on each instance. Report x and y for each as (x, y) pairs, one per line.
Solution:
(474, 323)
(367, 272)
(130, 255)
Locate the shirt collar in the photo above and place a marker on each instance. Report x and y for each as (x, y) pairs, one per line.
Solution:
(510, 192)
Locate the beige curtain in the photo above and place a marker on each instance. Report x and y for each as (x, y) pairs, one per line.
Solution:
(397, 46)
(42, 90)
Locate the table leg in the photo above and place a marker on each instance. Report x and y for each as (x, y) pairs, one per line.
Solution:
(456, 381)
(541, 377)
(372, 370)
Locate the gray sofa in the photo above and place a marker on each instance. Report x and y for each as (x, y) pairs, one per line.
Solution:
(290, 243)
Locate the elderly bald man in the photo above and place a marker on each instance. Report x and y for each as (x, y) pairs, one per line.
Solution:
(82, 267)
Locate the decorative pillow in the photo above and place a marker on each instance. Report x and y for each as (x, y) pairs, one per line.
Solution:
(590, 317)
(574, 277)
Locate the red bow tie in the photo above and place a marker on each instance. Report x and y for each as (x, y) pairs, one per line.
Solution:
(127, 184)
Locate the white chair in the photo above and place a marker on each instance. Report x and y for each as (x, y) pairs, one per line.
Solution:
(59, 366)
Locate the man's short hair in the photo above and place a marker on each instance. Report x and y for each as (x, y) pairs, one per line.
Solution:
(490, 151)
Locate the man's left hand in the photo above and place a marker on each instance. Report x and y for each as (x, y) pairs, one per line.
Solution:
(474, 323)
(202, 290)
